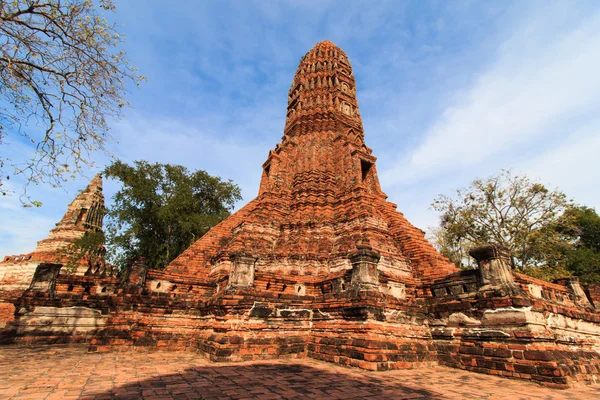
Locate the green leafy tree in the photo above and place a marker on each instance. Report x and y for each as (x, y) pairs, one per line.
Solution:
(161, 209)
(62, 75)
(583, 259)
(512, 212)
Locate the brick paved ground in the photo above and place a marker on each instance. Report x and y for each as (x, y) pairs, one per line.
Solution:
(71, 373)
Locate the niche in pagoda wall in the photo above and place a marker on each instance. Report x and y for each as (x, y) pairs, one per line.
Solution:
(345, 87)
(347, 108)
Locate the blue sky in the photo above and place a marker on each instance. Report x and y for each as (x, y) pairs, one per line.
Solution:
(448, 90)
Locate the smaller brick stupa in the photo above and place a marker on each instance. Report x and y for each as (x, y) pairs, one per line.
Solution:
(39, 269)
(84, 214)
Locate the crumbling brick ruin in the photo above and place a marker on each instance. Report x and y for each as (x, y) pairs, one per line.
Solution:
(321, 265)
(39, 269)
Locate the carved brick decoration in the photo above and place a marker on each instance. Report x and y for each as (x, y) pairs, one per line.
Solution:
(136, 275)
(494, 269)
(579, 296)
(364, 268)
(242, 273)
(45, 277)
(318, 265)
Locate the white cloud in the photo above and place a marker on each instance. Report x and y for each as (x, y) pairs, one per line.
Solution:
(573, 166)
(545, 78)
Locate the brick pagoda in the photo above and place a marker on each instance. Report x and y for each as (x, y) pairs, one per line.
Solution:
(83, 215)
(40, 268)
(321, 265)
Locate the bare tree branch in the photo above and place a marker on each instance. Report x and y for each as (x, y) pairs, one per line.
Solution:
(507, 210)
(62, 76)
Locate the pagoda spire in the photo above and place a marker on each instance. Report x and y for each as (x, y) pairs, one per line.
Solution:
(324, 88)
(84, 214)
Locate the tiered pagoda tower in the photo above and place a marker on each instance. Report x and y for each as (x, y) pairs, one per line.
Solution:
(320, 202)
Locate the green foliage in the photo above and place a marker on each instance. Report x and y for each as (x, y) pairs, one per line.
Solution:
(61, 70)
(161, 209)
(583, 260)
(511, 212)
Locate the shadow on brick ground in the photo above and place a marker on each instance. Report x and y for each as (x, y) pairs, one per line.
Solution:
(263, 381)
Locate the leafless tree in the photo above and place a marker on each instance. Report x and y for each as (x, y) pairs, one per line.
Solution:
(510, 211)
(63, 73)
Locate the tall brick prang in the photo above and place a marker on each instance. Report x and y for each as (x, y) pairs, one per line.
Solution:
(319, 198)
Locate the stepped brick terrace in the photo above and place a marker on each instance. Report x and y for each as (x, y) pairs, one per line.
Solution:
(319, 265)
